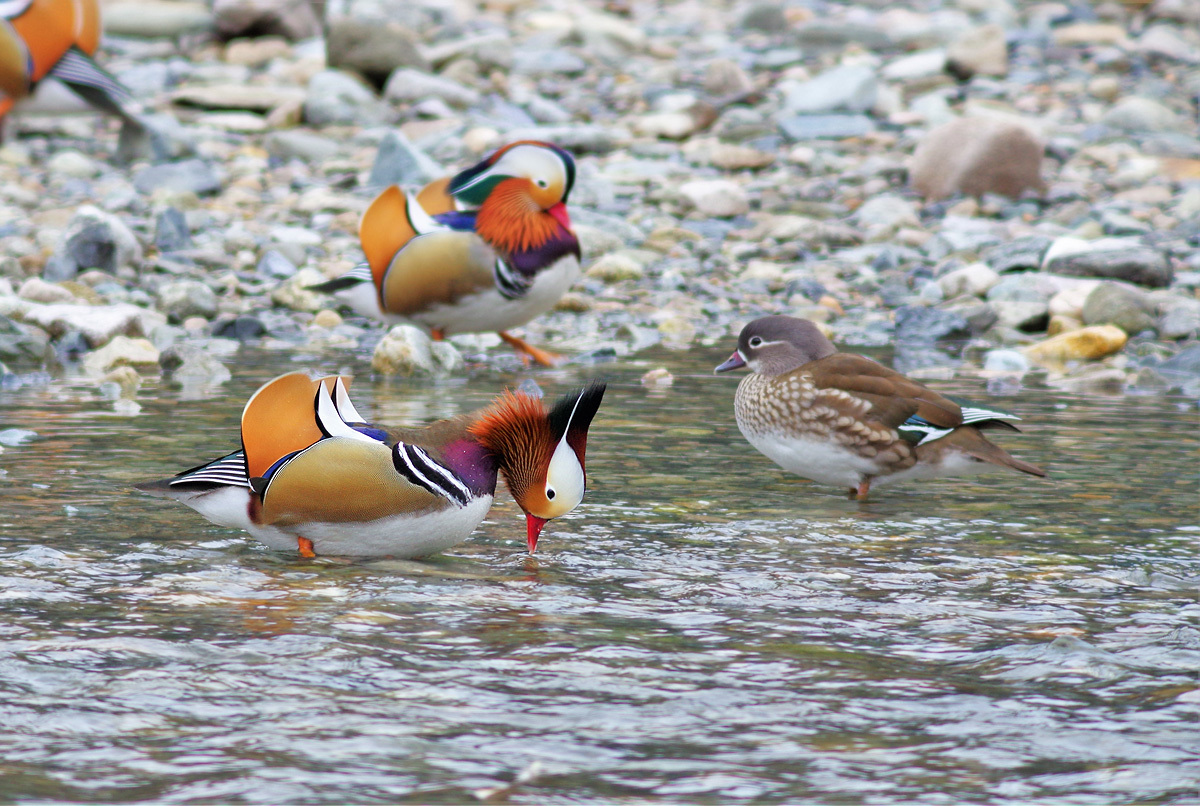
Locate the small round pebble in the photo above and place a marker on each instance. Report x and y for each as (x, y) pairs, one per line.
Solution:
(327, 318)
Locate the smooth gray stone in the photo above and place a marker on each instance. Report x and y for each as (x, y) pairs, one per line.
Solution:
(819, 127)
(192, 175)
(171, 231)
(1141, 265)
(399, 162)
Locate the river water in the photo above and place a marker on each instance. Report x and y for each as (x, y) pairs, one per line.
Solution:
(703, 629)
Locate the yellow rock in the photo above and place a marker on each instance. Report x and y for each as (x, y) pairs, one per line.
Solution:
(1085, 344)
(121, 351)
(831, 303)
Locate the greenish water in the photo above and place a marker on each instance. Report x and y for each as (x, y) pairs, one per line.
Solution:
(703, 629)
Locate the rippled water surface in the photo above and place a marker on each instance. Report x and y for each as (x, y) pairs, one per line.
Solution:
(703, 629)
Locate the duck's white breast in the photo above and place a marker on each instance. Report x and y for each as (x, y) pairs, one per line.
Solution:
(821, 460)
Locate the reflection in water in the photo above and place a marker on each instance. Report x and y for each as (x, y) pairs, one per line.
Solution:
(704, 628)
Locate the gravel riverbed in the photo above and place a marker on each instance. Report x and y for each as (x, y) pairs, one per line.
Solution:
(1006, 188)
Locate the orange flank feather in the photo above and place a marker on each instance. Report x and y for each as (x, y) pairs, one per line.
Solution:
(42, 34)
(384, 229)
(87, 30)
(511, 221)
(48, 28)
(13, 81)
(280, 418)
(435, 197)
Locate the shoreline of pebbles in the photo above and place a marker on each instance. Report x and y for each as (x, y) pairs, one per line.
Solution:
(844, 162)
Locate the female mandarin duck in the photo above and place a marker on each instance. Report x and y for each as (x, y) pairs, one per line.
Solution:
(42, 39)
(313, 476)
(487, 250)
(844, 419)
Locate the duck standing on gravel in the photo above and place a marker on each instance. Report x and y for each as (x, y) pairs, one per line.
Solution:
(486, 250)
(56, 39)
(313, 476)
(843, 419)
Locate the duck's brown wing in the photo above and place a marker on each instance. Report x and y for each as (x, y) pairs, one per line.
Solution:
(893, 398)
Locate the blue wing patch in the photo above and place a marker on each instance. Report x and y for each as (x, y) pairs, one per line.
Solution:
(461, 220)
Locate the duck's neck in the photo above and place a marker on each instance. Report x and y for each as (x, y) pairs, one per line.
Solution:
(472, 463)
(525, 235)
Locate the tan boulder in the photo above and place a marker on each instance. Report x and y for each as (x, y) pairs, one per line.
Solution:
(1084, 344)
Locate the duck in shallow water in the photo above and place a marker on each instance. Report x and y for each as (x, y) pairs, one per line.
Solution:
(843, 419)
(313, 476)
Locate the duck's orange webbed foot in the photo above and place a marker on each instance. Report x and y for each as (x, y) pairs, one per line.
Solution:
(864, 487)
(306, 547)
(537, 355)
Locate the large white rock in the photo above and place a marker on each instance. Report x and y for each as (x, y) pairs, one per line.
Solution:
(98, 323)
(976, 279)
(719, 198)
(407, 350)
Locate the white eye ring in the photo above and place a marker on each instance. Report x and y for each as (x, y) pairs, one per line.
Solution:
(542, 183)
(756, 342)
(550, 493)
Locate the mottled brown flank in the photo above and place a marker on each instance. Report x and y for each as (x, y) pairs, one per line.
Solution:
(516, 430)
(791, 405)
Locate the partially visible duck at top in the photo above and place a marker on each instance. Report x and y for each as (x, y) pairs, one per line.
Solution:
(57, 39)
(487, 250)
(844, 419)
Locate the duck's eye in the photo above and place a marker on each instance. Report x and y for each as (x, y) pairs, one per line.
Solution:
(542, 183)
(550, 493)
(756, 342)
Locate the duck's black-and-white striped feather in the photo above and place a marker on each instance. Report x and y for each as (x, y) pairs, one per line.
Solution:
(917, 429)
(76, 67)
(361, 273)
(921, 432)
(972, 415)
(510, 283)
(417, 466)
(228, 471)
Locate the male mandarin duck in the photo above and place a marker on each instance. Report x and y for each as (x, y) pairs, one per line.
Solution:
(486, 250)
(843, 419)
(42, 39)
(312, 476)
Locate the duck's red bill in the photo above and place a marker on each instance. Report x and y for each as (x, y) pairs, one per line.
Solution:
(559, 211)
(534, 524)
